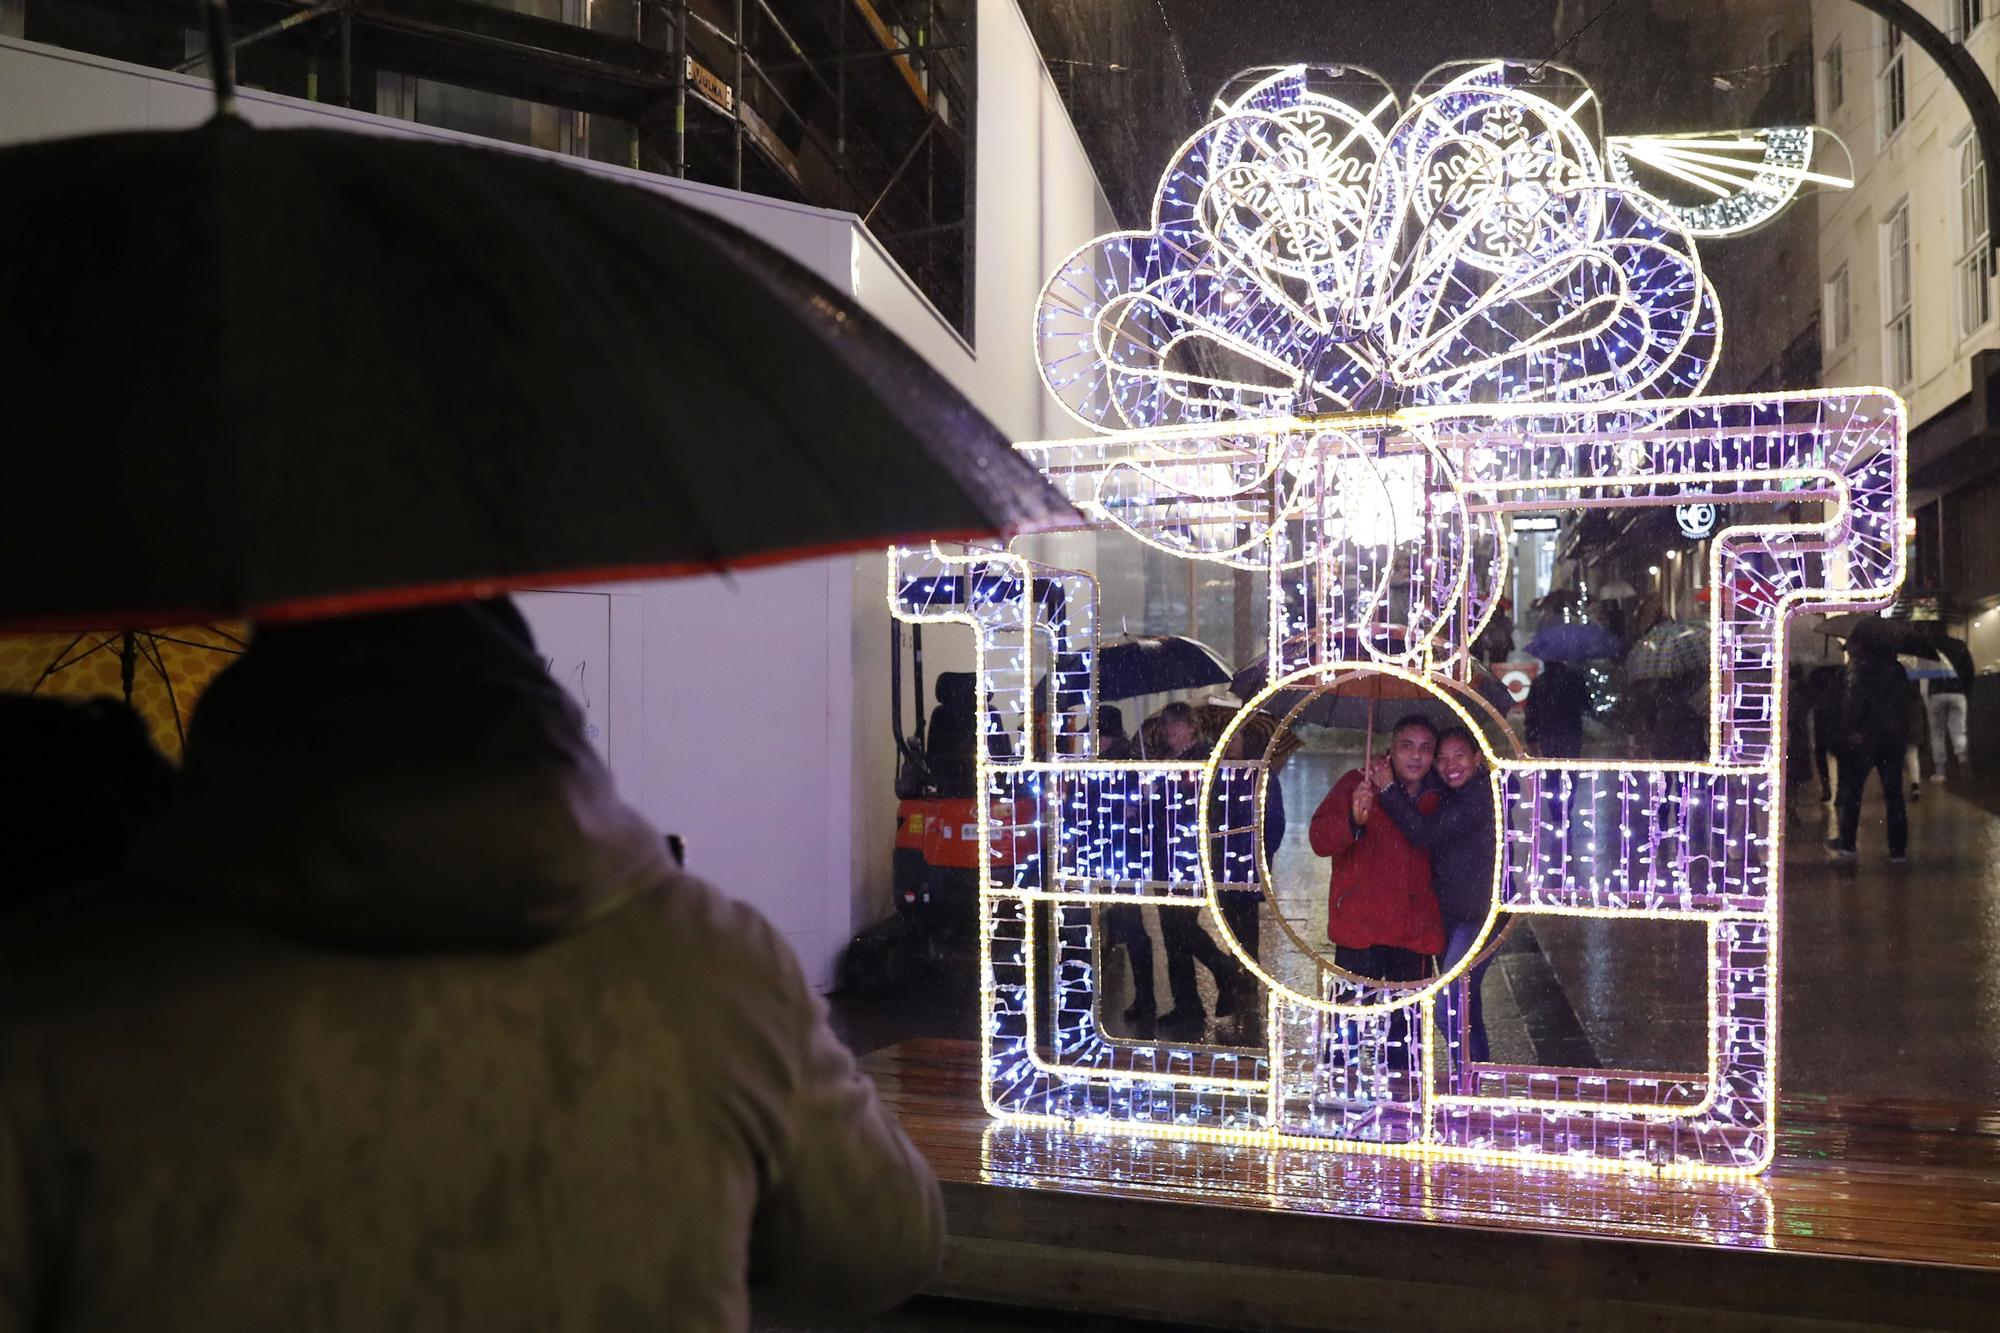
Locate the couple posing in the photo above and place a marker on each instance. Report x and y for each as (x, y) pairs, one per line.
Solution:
(1411, 840)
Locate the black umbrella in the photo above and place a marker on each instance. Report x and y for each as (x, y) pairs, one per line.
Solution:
(1917, 639)
(1136, 664)
(291, 372)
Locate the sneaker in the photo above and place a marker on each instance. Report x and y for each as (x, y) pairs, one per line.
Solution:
(1898, 858)
(1937, 777)
(1838, 852)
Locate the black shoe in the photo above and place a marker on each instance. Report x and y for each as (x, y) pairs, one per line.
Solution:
(1838, 852)
(1181, 1025)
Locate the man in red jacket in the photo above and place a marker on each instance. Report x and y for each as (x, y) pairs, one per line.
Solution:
(1382, 915)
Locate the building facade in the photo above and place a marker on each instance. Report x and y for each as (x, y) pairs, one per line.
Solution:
(1907, 291)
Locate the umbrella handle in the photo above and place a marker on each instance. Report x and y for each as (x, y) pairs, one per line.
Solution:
(221, 57)
(1368, 743)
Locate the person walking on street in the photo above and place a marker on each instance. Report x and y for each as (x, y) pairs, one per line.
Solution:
(1557, 702)
(1871, 734)
(1944, 700)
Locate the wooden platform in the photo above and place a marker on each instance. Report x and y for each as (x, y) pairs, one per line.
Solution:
(1876, 1215)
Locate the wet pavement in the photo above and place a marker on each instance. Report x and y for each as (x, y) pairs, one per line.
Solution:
(1890, 985)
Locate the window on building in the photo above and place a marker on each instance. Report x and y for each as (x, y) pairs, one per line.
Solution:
(1965, 16)
(1834, 318)
(1898, 328)
(1892, 102)
(1832, 78)
(1975, 293)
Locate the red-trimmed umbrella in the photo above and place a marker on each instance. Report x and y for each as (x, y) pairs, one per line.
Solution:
(282, 373)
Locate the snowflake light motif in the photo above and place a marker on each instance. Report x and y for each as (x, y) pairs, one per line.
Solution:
(1307, 257)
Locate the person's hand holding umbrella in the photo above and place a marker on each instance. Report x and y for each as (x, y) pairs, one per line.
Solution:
(1364, 801)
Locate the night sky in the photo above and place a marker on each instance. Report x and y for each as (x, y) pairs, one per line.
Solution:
(1399, 39)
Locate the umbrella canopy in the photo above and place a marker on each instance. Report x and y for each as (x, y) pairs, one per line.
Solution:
(1349, 646)
(1246, 683)
(1669, 649)
(1840, 626)
(160, 675)
(1917, 638)
(1369, 703)
(1136, 664)
(280, 373)
(1618, 590)
(1574, 642)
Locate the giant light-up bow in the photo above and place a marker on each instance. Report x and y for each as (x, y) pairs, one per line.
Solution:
(1305, 257)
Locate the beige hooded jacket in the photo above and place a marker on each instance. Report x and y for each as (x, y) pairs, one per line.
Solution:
(404, 1021)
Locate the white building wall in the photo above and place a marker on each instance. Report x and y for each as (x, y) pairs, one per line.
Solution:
(1920, 163)
(760, 700)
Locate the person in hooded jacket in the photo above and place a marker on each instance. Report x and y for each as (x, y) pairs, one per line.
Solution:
(401, 1019)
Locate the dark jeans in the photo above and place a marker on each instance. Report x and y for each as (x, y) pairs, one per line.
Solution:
(1187, 943)
(1885, 760)
(1125, 924)
(1386, 962)
(1470, 1027)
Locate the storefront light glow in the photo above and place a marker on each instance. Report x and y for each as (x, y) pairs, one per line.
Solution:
(1353, 346)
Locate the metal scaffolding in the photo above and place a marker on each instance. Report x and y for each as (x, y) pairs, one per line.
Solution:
(862, 105)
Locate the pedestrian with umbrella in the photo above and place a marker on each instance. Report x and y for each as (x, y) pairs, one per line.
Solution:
(401, 937)
(1560, 696)
(1664, 671)
(1131, 666)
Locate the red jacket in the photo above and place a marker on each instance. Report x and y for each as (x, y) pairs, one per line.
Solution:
(1381, 889)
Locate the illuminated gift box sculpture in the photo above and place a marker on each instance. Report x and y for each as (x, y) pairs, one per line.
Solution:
(1354, 341)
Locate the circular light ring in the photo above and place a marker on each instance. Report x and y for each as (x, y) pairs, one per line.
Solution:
(1407, 994)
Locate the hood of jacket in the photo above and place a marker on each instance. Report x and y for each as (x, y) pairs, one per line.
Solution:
(406, 780)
